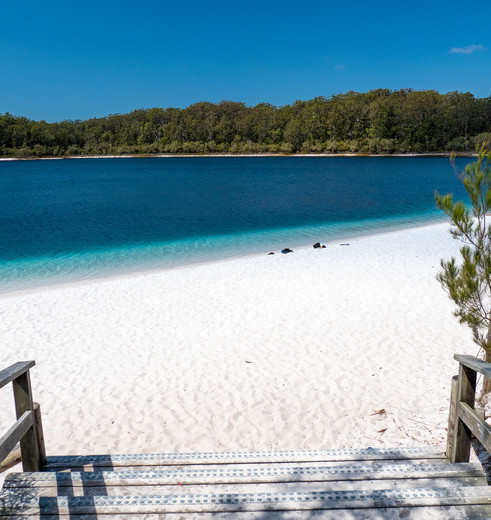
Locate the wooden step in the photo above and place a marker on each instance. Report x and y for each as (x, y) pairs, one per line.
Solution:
(329, 484)
(260, 457)
(417, 513)
(236, 502)
(245, 479)
(249, 474)
(141, 488)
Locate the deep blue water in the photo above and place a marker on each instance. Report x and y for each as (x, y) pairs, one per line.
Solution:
(74, 219)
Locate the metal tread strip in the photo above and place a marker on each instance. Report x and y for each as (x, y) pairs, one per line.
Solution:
(258, 473)
(253, 456)
(311, 500)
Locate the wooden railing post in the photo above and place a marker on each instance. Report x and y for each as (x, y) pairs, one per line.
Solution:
(465, 394)
(28, 429)
(29, 446)
(39, 433)
(452, 419)
(464, 422)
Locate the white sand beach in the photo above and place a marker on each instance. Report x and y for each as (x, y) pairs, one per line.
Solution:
(201, 155)
(292, 351)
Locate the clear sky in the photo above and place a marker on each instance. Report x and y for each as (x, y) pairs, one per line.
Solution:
(74, 60)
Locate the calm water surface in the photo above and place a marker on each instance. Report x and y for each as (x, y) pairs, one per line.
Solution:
(63, 220)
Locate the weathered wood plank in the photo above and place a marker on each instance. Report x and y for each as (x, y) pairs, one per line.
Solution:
(478, 427)
(217, 502)
(475, 364)
(117, 469)
(466, 394)
(29, 446)
(452, 418)
(257, 473)
(416, 513)
(9, 440)
(182, 459)
(13, 371)
(142, 488)
(40, 434)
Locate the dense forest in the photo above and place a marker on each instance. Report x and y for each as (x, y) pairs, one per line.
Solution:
(379, 121)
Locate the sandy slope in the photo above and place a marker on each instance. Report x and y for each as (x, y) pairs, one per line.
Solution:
(284, 352)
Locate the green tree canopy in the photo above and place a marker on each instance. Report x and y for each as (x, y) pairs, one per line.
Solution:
(468, 282)
(378, 121)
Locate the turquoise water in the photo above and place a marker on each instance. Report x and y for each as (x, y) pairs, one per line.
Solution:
(80, 219)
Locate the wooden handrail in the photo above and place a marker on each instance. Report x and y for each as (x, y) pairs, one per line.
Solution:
(28, 428)
(463, 420)
(14, 371)
(15, 434)
(474, 363)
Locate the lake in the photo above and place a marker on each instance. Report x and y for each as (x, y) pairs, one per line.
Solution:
(75, 219)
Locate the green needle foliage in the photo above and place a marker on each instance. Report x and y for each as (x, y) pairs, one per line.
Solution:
(468, 282)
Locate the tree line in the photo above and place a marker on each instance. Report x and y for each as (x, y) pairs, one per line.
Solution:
(378, 121)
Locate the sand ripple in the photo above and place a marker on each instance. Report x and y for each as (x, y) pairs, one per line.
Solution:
(284, 352)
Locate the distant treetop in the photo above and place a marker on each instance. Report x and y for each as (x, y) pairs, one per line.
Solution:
(378, 121)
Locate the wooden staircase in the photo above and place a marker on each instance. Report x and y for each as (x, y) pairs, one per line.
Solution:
(363, 483)
(372, 483)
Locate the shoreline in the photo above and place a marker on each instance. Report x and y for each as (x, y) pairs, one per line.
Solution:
(146, 156)
(219, 259)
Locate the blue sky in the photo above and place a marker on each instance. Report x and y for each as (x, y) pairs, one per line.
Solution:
(74, 60)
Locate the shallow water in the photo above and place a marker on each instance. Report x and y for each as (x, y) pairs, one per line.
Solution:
(78, 219)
